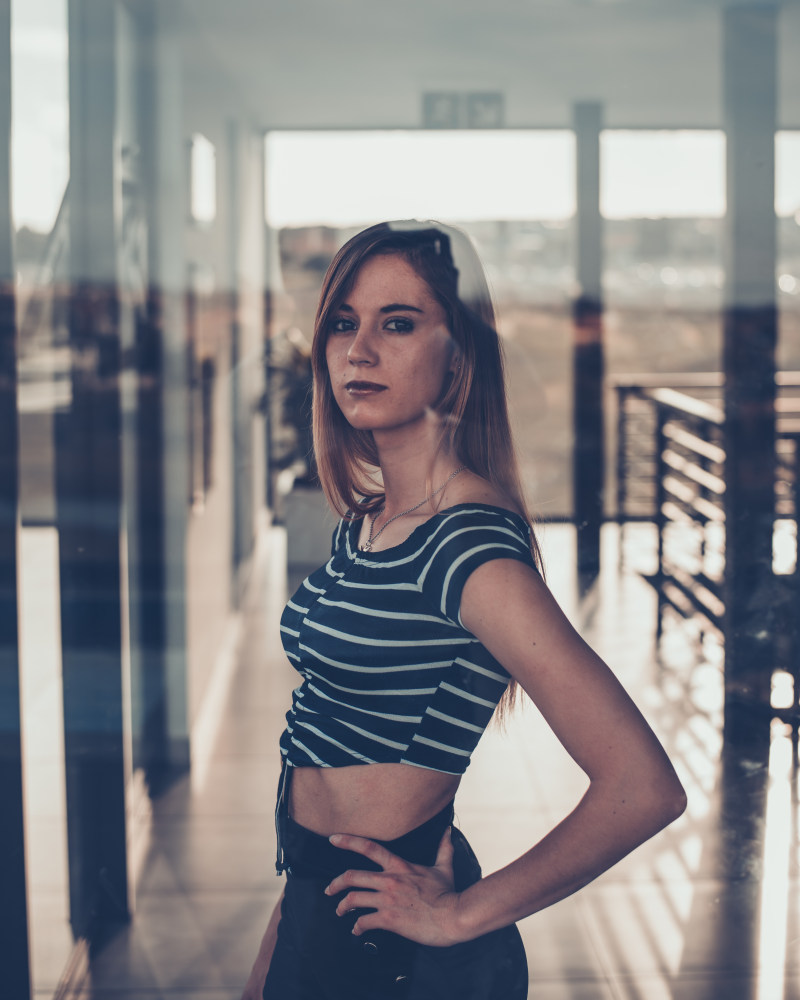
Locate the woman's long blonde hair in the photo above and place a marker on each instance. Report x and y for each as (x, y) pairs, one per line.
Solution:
(473, 408)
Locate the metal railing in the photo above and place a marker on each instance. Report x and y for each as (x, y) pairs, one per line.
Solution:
(690, 396)
(670, 469)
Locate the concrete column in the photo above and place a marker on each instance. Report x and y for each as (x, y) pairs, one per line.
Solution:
(14, 944)
(89, 491)
(750, 333)
(588, 461)
(169, 213)
(162, 464)
(273, 287)
(750, 327)
(246, 240)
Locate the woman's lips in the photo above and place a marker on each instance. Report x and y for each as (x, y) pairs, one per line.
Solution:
(363, 388)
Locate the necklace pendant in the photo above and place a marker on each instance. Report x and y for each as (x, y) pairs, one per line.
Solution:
(367, 546)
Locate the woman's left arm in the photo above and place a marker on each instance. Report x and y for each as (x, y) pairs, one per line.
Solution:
(633, 790)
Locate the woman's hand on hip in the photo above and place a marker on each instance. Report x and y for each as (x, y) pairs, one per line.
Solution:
(416, 901)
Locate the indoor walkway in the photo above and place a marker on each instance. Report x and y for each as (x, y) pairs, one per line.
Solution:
(681, 919)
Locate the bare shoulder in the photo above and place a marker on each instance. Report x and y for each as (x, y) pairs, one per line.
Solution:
(472, 488)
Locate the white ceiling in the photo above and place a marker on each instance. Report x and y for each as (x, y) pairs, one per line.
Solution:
(366, 63)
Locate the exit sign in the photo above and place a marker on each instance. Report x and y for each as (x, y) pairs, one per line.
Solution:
(448, 109)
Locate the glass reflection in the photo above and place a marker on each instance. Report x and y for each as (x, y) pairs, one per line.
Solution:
(175, 204)
(40, 173)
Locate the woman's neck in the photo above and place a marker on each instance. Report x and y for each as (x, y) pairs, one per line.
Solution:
(411, 473)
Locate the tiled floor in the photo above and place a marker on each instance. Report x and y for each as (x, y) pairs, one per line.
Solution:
(686, 917)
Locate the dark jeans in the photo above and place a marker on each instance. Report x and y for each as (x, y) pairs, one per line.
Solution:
(317, 957)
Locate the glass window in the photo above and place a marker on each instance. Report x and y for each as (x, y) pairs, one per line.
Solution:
(40, 172)
(512, 191)
(663, 196)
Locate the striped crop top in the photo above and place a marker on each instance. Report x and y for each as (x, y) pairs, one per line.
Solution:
(390, 675)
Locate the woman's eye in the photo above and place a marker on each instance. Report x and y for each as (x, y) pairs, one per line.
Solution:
(342, 325)
(399, 325)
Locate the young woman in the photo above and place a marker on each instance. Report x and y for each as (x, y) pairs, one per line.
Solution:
(430, 613)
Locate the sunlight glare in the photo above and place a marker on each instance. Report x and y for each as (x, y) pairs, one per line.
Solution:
(787, 173)
(775, 881)
(662, 174)
(352, 178)
(782, 693)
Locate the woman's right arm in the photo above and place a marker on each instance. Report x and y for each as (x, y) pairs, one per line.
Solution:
(254, 987)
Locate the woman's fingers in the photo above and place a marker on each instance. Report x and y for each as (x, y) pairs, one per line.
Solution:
(421, 913)
(351, 878)
(369, 922)
(416, 901)
(370, 849)
(356, 901)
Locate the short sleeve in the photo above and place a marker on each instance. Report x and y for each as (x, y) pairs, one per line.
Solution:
(465, 540)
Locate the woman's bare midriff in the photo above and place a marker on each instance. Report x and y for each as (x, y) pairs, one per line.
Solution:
(379, 801)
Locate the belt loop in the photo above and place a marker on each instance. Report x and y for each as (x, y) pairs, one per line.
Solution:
(281, 810)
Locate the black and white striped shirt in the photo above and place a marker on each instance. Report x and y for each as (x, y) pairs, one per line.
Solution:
(390, 674)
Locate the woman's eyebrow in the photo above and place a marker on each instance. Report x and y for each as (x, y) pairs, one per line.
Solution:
(400, 307)
(392, 307)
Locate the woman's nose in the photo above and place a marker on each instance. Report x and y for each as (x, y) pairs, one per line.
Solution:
(362, 348)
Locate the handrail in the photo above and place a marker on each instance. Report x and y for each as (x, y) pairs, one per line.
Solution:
(710, 482)
(688, 380)
(672, 395)
(679, 454)
(660, 380)
(684, 403)
(708, 450)
(47, 272)
(671, 461)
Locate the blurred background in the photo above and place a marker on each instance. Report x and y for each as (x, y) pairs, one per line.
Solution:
(175, 178)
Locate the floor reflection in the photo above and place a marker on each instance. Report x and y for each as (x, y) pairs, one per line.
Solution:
(706, 911)
(774, 902)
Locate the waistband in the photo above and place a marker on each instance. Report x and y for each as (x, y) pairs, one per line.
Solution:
(306, 854)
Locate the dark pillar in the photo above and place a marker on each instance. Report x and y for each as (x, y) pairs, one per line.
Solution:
(162, 477)
(239, 442)
(272, 288)
(14, 949)
(734, 831)
(588, 463)
(749, 352)
(168, 228)
(89, 495)
(246, 235)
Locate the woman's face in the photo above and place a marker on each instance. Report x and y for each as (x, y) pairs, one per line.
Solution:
(388, 349)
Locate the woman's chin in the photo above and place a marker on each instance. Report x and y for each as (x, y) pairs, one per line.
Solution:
(362, 420)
